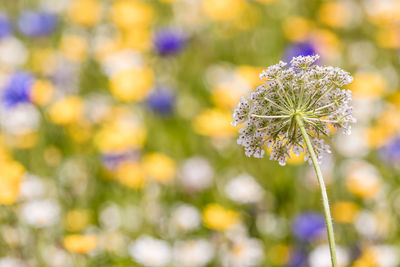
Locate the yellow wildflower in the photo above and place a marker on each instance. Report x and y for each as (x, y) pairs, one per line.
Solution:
(367, 259)
(66, 111)
(132, 85)
(41, 92)
(169, 1)
(129, 14)
(388, 37)
(159, 167)
(378, 135)
(327, 43)
(267, 1)
(77, 220)
(74, 47)
(334, 14)
(223, 10)
(138, 39)
(85, 12)
(368, 85)
(297, 28)
(215, 123)
(219, 218)
(250, 74)
(4, 153)
(131, 175)
(119, 134)
(225, 96)
(80, 243)
(10, 179)
(363, 184)
(344, 211)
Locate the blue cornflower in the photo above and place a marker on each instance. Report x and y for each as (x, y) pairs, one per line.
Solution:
(37, 23)
(17, 90)
(161, 101)
(297, 259)
(169, 41)
(5, 26)
(308, 226)
(391, 151)
(299, 49)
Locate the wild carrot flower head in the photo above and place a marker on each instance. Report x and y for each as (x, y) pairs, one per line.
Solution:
(310, 92)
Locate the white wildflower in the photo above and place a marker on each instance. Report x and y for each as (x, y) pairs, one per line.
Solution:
(193, 253)
(11, 262)
(57, 257)
(243, 252)
(20, 120)
(32, 187)
(110, 216)
(319, 257)
(244, 189)
(150, 252)
(196, 174)
(387, 256)
(186, 217)
(41, 213)
(13, 52)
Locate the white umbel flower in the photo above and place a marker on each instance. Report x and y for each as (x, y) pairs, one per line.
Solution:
(150, 252)
(244, 189)
(310, 92)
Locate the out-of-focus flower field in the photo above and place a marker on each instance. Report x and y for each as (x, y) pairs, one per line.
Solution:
(117, 149)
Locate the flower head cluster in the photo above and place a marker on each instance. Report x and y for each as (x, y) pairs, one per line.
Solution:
(302, 92)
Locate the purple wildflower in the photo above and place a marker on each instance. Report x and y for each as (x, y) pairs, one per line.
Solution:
(161, 101)
(18, 89)
(169, 41)
(5, 26)
(308, 226)
(391, 152)
(299, 49)
(36, 23)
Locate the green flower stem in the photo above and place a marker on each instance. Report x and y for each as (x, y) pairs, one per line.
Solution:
(327, 212)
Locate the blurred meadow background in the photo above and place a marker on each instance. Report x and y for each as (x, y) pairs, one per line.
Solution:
(116, 147)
